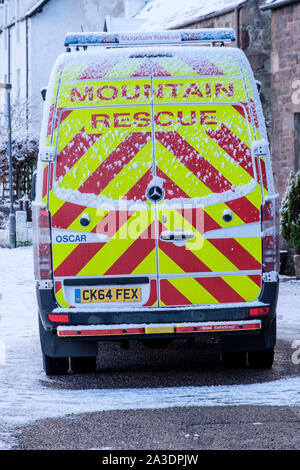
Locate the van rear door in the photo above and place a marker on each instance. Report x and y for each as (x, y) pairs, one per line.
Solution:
(103, 228)
(209, 222)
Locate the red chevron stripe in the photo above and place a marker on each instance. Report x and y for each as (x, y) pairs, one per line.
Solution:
(237, 150)
(84, 252)
(198, 165)
(219, 289)
(112, 222)
(233, 146)
(185, 259)
(244, 209)
(74, 150)
(63, 116)
(151, 69)
(199, 219)
(240, 109)
(256, 278)
(170, 295)
(235, 253)
(66, 215)
(202, 66)
(79, 257)
(99, 69)
(138, 191)
(115, 162)
(172, 191)
(135, 254)
(45, 181)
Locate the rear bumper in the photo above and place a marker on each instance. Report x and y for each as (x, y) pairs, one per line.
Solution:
(169, 329)
(232, 323)
(52, 315)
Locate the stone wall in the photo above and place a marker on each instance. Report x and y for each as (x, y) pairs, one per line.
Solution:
(285, 82)
(255, 40)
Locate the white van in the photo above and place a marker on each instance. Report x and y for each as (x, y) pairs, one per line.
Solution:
(155, 215)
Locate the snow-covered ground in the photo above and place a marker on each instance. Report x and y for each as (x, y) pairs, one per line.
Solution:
(25, 398)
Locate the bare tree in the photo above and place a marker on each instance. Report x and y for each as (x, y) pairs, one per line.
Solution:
(24, 150)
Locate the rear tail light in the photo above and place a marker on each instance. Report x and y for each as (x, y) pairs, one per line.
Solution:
(254, 312)
(270, 234)
(59, 318)
(41, 243)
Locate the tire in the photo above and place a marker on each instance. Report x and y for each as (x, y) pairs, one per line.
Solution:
(234, 360)
(261, 359)
(55, 365)
(82, 365)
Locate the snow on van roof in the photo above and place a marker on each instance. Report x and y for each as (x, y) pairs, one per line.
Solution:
(166, 14)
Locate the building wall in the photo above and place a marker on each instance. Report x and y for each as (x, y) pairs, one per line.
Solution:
(285, 81)
(46, 31)
(255, 40)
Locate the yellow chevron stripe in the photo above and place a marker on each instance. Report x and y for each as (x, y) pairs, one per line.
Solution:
(75, 69)
(96, 215)
(214, 154)
(216, 212)
(245, 287)
(202, 249)
(61, 252)
(146, 266)
(255, 196)
(253, 246)
(118, 244)
(230, 68)
(125, 68)
(130, 174)
(179, 173)
(60, 299)
(175, 66)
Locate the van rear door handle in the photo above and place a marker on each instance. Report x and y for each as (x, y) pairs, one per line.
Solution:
(176, 235)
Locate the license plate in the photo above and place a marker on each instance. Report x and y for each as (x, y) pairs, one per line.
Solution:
(110, 294)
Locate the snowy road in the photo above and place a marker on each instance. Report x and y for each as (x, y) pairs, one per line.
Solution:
(27, 395)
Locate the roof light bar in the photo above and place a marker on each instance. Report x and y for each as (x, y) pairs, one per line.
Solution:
(207, 35)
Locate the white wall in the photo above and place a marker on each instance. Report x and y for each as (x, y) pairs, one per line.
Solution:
(46, 41)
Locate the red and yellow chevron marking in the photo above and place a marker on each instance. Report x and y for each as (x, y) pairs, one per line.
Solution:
(201, 147)
(208, 290)
(60, 296)
(177, 63)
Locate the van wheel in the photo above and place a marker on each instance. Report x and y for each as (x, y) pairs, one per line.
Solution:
(261, 359)
(234, 360)
(81, 365)
(55, 365)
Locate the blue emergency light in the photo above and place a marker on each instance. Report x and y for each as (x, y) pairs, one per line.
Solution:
(207, 35)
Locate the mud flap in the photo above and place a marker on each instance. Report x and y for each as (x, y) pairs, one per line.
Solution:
(54, 346)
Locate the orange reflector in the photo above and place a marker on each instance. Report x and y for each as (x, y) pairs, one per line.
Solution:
(158, 330)
(59, 318)
(253, 312)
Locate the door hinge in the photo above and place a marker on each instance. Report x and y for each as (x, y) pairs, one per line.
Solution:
(272, 276)
(45, 284)
(47, 154)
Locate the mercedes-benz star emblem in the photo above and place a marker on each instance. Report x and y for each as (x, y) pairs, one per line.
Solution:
(155, 194)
